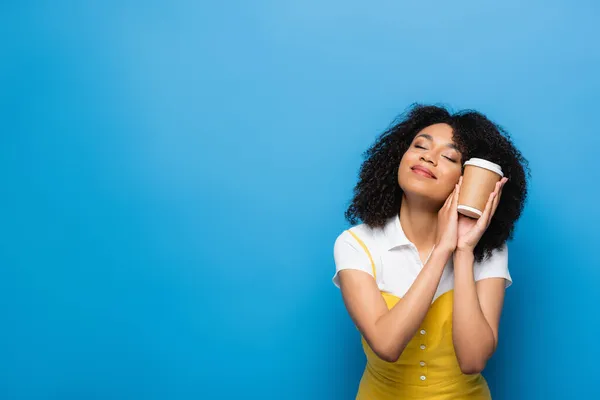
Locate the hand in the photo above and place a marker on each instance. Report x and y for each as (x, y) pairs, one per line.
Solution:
(471, 230)
(448, 223)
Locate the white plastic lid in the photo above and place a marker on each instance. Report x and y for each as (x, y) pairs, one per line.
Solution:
(480, 162)
(468, 210)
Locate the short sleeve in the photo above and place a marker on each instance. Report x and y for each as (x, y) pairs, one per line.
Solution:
(496, 266)
(348, 254)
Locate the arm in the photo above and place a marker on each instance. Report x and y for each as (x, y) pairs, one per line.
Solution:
(477, 305)
(388, 332)
(476, 314)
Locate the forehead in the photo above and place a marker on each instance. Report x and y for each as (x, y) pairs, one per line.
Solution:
(439, 132)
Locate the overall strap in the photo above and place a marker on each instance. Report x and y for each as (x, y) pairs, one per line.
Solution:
(364, 246)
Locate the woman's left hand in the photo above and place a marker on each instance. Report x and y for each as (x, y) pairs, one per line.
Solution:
(470, 230)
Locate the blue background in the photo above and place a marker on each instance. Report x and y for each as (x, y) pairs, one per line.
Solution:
(174, 175)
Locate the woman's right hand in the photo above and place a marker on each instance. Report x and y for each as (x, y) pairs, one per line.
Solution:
(447, 229)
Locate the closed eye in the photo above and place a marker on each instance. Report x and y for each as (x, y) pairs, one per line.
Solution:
(451, 159)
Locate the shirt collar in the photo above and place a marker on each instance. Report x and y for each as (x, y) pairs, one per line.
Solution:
(394, 233)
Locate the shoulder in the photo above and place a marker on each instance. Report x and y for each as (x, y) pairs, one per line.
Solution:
(353, 249)
(359, 237)
(349, 240)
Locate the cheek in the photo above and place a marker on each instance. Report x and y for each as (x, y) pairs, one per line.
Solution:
(457, 171)
(405, 162)
(408, 158)
(452, 176)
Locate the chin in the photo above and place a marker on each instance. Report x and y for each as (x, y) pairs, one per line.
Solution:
(422, 189)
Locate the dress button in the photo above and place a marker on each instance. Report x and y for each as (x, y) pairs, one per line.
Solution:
(423, 377)
(422, 363)
(422, 347)
(423, 331)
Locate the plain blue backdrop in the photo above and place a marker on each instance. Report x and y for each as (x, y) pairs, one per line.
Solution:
(174, 175)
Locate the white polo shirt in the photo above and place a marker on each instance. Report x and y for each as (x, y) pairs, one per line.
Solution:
(397, 261)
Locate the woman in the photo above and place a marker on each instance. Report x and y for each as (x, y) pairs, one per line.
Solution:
(424, 284)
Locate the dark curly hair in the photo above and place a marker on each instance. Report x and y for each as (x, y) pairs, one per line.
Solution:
(377, 195)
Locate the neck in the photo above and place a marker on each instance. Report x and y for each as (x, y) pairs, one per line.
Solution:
(419, 219)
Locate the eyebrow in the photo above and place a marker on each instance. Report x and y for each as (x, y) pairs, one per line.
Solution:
(429, 137)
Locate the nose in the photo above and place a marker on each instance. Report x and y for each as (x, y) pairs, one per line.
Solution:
(428, 159)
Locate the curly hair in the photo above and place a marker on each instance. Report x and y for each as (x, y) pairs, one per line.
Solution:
(378, 196)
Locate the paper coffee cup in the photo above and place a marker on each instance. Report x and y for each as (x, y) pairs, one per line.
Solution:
(479, 181)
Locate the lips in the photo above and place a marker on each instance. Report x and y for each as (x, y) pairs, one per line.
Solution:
(418, 169)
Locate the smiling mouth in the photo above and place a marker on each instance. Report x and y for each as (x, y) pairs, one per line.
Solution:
(423, 172)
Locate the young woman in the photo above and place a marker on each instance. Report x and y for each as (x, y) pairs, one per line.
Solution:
(424, 284)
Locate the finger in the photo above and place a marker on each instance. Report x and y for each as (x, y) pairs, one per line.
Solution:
(450, 197)
(456, 196)
(485, 217)
(497, 190)
(499, 195)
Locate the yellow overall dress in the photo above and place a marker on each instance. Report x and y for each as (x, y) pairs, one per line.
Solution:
(427, 368)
